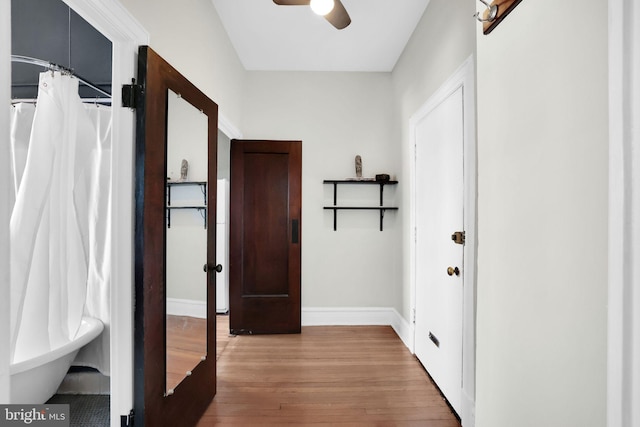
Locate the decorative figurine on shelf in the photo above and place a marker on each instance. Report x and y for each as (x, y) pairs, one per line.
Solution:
(358, 167)
(184, 170)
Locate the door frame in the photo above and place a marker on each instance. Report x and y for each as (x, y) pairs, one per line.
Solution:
(463, 77)
(5, 214)
(125, 34)
(623, 326)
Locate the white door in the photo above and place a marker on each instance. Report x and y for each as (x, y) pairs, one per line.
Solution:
(439, 260)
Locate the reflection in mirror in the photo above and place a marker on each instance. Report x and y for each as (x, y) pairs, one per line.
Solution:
(186, 244)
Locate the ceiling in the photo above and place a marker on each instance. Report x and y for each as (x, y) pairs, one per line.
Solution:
(292, 38)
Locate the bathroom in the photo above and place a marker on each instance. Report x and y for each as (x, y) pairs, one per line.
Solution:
(76, 275)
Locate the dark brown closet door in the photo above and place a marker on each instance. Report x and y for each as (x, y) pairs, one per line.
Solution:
(156, 402)
(264, 227)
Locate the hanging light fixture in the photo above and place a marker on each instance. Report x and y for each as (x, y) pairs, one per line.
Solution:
(322, 7)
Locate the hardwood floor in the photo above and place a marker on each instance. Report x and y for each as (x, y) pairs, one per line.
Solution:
(186, 344)
(326, 376)
(222, 334)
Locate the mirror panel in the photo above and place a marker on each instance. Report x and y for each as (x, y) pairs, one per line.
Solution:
(186, 241)
(153, 405)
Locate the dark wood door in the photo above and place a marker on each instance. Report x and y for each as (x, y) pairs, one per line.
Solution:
(265, 237)
(155, 403)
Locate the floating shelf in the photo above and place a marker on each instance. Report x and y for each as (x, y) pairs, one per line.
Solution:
(382, 209)
(200, 208)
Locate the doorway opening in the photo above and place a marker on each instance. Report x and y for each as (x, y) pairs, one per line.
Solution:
(226, 132)
(51, 33)
(125, 34)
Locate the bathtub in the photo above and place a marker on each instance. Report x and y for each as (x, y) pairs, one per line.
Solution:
(35, 380)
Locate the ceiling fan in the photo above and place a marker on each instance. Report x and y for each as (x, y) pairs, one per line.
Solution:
(332, 10)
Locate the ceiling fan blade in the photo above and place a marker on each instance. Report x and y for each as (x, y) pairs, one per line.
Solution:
(338, 17)
(292, 2)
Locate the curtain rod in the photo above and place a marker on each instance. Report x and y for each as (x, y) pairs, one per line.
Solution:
(56, 67)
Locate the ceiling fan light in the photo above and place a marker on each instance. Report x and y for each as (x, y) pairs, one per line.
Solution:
(322, 7)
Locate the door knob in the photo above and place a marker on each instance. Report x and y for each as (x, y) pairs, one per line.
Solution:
(210, 267)
(453, 270)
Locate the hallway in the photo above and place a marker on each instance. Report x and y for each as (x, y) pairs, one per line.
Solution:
(338, 376)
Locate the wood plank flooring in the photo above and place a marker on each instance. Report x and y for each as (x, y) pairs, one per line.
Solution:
(186, 344)
(326, 376)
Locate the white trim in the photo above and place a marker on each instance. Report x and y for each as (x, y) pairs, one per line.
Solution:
(468, 415)
(463, 77)
(112, 19)
(126, 34)
(623, 328)
(228, 128)
(187, 307)
(615, 350)
(5, 214)
(403, 329)
(358, 316)
(321, 316)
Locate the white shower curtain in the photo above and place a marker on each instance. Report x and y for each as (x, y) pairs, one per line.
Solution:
(98, 300)
(59, 234)
(21, 123)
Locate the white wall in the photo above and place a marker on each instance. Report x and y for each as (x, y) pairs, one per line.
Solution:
(442, 41)
(542, 206)
(336, 115)
(189, 35)
(5, 97)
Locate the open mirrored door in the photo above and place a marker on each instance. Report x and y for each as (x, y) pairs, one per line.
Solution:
(176, 168)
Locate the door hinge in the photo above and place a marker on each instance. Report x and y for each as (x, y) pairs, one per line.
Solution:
(458, 237)
(413, 316)
(131, 95)
(127, 420)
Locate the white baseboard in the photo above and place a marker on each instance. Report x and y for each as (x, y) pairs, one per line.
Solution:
(468, 410)
(349, 316)
(352, 316)
(404, 330)
(187, 307)
(319, 316)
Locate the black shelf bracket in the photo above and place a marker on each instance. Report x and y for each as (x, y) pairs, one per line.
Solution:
(202, 209)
